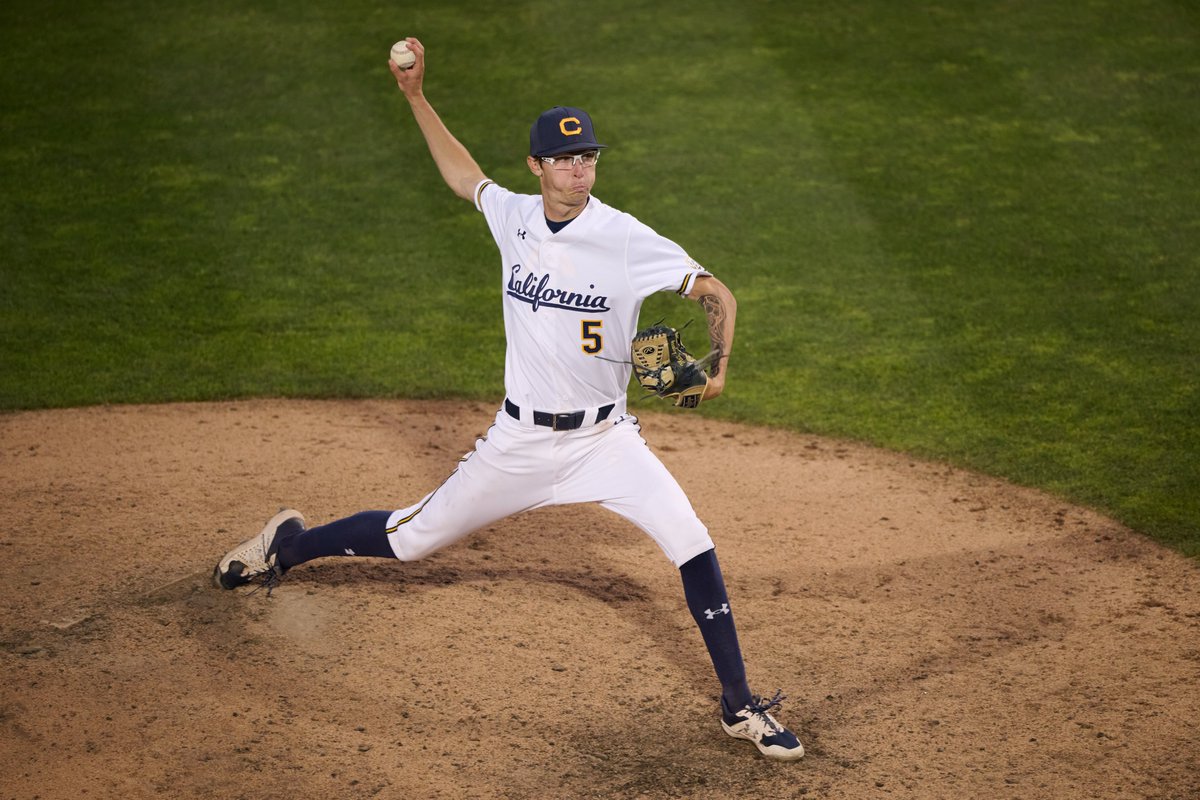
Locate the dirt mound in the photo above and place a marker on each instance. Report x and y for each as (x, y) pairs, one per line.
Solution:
(938, 634)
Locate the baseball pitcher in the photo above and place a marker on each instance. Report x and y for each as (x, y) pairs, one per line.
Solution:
(573, 274)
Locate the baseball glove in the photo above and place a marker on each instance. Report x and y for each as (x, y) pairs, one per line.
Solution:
(664, 368)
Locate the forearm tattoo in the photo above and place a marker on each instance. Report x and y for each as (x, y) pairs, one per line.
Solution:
(714, 309)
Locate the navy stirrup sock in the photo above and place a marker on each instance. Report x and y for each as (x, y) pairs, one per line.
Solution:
(364, 534)
(704, 588)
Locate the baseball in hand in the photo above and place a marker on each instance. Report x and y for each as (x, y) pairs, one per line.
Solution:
(403, 57)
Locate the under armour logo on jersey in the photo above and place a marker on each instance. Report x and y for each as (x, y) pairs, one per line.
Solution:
(520, 233)
(724, 609)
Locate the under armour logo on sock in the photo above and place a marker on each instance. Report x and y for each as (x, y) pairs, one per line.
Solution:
(724, 609)
(350, 552)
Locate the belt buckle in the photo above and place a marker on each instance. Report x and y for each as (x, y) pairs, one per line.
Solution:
(566, 422)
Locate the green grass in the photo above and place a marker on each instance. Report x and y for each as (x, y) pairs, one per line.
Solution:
(962, 230)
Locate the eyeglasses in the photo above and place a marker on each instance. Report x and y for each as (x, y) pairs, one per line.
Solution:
(572, 160)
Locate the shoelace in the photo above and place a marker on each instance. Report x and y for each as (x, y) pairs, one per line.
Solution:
(270, 579)
(273, 575)
(761, 708)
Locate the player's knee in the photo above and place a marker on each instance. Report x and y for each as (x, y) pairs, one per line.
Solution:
(683, 542)
(407, 549)
(684, 551)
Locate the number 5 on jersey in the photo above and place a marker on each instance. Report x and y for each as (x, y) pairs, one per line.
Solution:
(590, 333)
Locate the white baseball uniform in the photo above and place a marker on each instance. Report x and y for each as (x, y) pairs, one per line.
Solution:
(569, 297)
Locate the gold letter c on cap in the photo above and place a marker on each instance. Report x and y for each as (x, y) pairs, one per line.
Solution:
(562, 126)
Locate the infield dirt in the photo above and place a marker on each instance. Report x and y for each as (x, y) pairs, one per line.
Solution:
(939, 634)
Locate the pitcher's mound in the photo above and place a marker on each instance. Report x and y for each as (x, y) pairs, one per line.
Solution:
(939, 634)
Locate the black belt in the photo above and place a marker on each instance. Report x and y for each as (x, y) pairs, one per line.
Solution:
(568, 421)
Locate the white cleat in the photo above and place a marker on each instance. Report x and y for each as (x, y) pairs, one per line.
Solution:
(755, 723)
(258, 555)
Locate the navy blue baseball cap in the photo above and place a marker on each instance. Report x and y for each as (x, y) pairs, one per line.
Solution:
(562, 130)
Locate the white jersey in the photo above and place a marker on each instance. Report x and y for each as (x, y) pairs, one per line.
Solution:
(571, 301)
(573, 296)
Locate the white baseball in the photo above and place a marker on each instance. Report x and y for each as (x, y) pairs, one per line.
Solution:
(403, 57)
